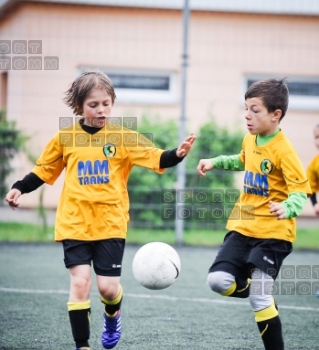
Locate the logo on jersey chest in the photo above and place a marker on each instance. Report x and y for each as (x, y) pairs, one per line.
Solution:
(255, 183)
(93, 172)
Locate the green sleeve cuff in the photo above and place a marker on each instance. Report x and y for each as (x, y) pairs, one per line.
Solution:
(294, 205)
(232, 162)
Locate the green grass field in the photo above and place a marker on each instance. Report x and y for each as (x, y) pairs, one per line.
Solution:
(186, 316)
(22, 232)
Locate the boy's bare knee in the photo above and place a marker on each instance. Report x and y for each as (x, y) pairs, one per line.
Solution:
(109, 292)
(109, 287)
(80, 287)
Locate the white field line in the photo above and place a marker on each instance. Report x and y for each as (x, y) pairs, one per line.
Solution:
(161, 297)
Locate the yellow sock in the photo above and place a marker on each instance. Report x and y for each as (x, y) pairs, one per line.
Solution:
(266, 314)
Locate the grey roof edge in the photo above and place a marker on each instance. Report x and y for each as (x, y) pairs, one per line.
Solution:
(279, 7)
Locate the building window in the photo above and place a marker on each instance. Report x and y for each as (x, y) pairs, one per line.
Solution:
(303, 92)
(142, 86)
(140, 82)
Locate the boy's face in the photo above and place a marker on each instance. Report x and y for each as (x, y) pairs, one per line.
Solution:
(259, 120)
(97, 108)
(316, 136)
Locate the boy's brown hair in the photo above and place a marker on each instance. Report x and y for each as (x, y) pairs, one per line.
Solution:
(273, 92)
(83, 85)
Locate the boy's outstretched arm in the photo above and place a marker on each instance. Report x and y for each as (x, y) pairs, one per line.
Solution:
(233, 162)
(172, 157)
(12, 198)
(28, 184)
(203, 166)
(184, 148)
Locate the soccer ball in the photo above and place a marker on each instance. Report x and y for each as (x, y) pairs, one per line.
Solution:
(156, 265)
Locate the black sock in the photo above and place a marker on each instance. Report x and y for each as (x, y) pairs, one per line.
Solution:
(112, 309)
(80, 325)
(271, 333)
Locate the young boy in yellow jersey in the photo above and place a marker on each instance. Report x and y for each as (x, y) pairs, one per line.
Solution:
(92, 214)
(275, 191)
(313, 174)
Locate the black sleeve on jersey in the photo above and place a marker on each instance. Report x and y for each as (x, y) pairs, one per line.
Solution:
(169, 159)
(313, 199)
(28, 184)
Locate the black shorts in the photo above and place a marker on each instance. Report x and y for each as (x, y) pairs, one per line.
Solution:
(239, 254)
(106, 255)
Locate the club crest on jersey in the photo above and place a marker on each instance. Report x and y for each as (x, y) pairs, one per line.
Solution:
(266, 166)
(109, 150)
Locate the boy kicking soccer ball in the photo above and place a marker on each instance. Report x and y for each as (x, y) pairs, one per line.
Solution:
(275, 191)
(92, 215)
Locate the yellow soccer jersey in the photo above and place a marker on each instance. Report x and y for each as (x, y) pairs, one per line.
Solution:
(313, 174)
(94, 201)
(272, 171)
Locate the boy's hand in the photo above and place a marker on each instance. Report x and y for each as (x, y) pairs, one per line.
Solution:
(203, 166)
(184, 148)
(277, 209)
(12, 197)
(316, 209)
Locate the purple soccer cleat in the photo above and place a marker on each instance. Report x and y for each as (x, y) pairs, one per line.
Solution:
(111, 333)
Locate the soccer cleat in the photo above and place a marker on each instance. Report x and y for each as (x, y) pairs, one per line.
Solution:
(85, 348)
(111, 331)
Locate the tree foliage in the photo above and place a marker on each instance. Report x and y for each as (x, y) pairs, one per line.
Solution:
(213, 141)
(12, 141)
(146, 187)
(164, 135)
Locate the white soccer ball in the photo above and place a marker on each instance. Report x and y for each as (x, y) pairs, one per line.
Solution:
(156, 265)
